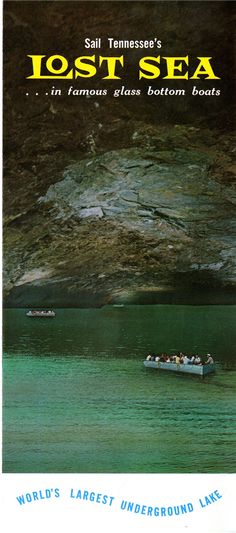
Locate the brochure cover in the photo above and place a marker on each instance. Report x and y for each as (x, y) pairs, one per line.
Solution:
(119, 294)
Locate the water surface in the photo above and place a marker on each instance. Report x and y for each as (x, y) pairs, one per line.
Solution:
(77, 398)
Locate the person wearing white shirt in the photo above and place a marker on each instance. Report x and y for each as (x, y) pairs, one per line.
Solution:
(210, 360)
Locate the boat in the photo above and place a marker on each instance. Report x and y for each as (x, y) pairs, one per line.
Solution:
(199, 370)
(35, 313)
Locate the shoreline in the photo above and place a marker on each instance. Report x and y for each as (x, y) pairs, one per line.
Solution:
(39, 297)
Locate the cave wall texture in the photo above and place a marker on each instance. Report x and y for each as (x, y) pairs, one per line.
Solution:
(128, 199)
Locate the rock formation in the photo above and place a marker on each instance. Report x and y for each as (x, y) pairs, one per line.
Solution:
(127, 199)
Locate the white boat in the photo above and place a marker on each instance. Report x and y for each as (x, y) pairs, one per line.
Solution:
(199, 370)
(35, 313)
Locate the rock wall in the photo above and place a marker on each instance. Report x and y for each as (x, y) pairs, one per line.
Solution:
(117, 199)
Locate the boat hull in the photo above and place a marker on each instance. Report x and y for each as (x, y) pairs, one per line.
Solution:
(199, 370)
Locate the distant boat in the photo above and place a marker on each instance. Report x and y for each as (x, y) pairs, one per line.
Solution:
(199, 370)
(35, 313)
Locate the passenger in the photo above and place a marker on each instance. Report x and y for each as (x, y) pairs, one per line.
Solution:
(168, 359)
(157, 358)
(186, 360)
(149, 357)
(210, 360)
(177, 359)
(198, 360)
(153, 357)
(192, 360)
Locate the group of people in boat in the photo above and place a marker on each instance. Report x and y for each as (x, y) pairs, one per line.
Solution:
(42, 312)
(181, 358)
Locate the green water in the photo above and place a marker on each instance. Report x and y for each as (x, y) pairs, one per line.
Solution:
(77, 398)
